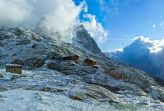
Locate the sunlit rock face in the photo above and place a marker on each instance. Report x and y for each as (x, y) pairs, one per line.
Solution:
(49, 82)
(84, 39)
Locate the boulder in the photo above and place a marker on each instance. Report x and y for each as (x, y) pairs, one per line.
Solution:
(34, 46)
(53, 66)
(34, 62)
(94, 92)
(1, 44)
(157, 93)
(22, 42)
(78, 96)
(35, 37)
(54, 55)
(69, 68)
(3, 88)
(19, 31)
(116, 73)
(96, 66)
(17, 61)
(4, 36)
(1, 76)
(14, 77)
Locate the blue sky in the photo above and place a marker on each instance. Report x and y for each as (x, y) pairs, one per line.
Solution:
(126, 19)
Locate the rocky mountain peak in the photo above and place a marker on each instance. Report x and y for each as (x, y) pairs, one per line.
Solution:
(84, 39)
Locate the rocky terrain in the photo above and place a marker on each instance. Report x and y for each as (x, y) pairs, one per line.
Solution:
(49, 83)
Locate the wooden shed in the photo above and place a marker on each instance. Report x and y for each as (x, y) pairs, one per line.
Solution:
(14, 68)
(90, 62)
(74, 58)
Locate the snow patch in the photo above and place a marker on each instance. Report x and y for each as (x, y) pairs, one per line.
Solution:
(23, 100)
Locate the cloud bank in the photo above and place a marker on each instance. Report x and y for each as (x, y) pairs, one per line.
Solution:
(13, 11)
(145, 54)
(56, 15)
(49, 15)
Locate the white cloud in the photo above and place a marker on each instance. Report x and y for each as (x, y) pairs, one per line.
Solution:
(145, 54)
(13, 11)
(95, 28)
(161, 24)
(60, 16)
(158, 25)
(154, 26)
(50, 15)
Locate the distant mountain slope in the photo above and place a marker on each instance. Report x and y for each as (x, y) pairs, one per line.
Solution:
(143, 53)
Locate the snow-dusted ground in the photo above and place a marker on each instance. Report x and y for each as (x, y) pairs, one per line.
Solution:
(33, 100)
(26, 100)
(25, 94)
(23, 100)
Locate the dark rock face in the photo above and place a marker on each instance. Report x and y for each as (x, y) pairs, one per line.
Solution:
(17, 61)
(34, 62)
(3, 89)
(95, 92)
(159, 81)
(19, 31)
(53, 55)
(133, 76)
(70, 68)
(85, 39)
(3, 36)
(53, 66)
(22, 42)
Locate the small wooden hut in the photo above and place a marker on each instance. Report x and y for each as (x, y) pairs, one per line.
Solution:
(14, 68)
(90, 62)
(74, 58)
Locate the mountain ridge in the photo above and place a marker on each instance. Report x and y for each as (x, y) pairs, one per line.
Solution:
(112, 84)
